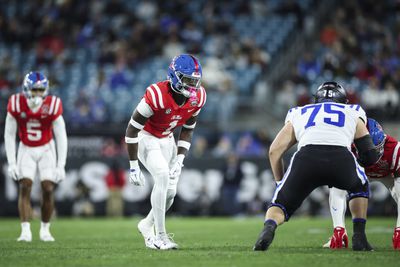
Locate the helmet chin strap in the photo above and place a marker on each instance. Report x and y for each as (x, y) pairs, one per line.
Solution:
(35, 102)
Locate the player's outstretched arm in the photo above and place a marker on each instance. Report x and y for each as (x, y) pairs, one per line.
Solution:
(366, 150)
(60, 135)
(10, 132)
(282, 142)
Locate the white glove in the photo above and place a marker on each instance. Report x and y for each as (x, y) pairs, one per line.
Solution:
(136, 176)
(176, 169)
(13, 171)
(59, 174)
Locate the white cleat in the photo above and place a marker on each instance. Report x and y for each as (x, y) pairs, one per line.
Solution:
(147, 233)
(46, 236)
(164, 242)
(25, 237)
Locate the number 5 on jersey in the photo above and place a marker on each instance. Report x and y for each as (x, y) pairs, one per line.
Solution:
(33, 130)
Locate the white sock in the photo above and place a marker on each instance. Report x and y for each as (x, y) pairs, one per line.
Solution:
(45, 226)
(337, 206)
(149, 220)
(25, 226)
(158, 202)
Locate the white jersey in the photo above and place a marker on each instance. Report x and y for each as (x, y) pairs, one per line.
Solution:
(327, 123)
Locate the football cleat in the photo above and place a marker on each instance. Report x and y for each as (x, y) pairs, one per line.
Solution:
(147, 233)
(265, 238)
(339, 239)
(396, 238)
(46, 236)
(360, 242)
(26, 236)
(164, 242)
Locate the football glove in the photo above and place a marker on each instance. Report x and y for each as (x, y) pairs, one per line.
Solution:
(136, 176)
(13, 171)
(176, 169)
(59, 174)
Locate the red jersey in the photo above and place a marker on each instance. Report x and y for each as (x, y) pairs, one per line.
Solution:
(389, 163)
(34, 128)
(167, 115)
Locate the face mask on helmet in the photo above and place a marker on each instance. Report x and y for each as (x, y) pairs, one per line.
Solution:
(378, 136)
(185, 75)
(35, 88)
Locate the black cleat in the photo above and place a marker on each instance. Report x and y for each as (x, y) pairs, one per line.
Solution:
(265, 238)
(360, 243)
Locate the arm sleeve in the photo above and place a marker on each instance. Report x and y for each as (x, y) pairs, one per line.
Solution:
(10, 132)
(61, 140)
(144, 109)
(367, 154)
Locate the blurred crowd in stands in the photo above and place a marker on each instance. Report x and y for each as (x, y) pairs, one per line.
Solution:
(360, 47)
(101, 55)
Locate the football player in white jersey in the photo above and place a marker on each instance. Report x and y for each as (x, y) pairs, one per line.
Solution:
(324, 132)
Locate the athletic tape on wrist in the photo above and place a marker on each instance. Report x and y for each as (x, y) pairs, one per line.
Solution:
(184, 144)
(189, 126)
(131, 140)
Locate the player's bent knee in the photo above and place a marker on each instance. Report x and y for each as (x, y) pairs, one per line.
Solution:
(25, 184)
(47, 187)
(278, 209)
(362, 191)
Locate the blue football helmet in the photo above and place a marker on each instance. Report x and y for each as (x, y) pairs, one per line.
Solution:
(35, 82)
(184, 74)
(377, 134)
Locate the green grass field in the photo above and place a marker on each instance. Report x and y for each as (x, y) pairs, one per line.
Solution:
(203, 242)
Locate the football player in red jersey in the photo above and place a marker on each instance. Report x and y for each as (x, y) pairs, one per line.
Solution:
(165, 106)
(35, 115)
(386, 171)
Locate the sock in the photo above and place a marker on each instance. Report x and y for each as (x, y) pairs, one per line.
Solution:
(158, 202)
(25, 226)
(45, 226)
(337, 206)
(149, 220)
(359, 225)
